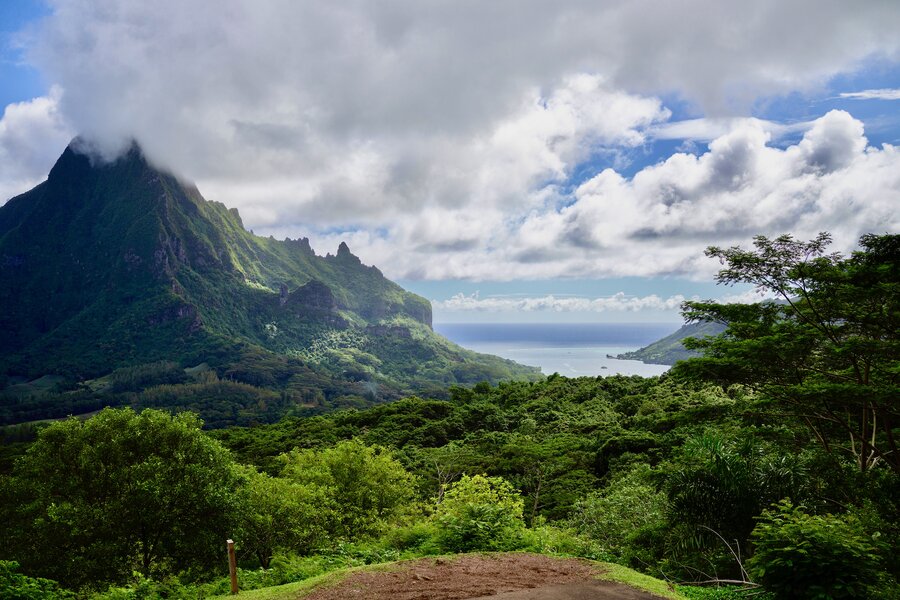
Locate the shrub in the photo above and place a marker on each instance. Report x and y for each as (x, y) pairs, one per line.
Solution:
(364, 485)
(622, 514)
(547, 539)
(723, 482)
(143, 588)
(721, 593)
(718, 483)
(801, 556)
(479, 513)
(418, 538)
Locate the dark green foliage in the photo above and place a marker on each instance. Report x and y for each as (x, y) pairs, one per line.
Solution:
(824, 358)
(710, 461)
(639, 469)
(623, 515)
(133, 379)
(800, 556)
(18, 408)
(219, 403)
(722, 592)
(145, 588)
(827, 353)
(554, 440)
(723, 484)
(92, 501)
(717, 485)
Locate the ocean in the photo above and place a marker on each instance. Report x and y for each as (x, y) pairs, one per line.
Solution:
(570, 349)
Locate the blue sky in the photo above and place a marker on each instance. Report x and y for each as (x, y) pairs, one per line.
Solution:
(21, 81)
(474, 154)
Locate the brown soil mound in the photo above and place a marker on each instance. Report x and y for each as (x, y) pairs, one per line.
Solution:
(499, 577)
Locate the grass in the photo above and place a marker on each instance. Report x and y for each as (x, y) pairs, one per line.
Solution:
(291, 590)
(631, 578)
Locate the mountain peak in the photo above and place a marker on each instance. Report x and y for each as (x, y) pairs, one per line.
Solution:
(70, 161)
(81, 156)
(344, 256)
(124, 234)
(130, 149)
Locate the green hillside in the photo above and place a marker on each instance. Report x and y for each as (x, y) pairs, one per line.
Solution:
(669, 349)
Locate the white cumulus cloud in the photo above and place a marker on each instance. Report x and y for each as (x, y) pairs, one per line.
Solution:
(32, 135)
(453, 139)
(659, 221)
(561, 303)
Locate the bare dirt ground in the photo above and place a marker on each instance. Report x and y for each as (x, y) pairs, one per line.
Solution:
(482, 577)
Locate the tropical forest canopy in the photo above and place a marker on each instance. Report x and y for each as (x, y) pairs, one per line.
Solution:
(769, 462)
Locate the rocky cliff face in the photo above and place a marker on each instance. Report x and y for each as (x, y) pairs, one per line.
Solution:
(313, 301)
(315, 296)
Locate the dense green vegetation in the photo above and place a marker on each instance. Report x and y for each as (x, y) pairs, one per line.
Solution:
(770, 461)
(619, 440)
(828, 353)
(98, 499)
(647, 473)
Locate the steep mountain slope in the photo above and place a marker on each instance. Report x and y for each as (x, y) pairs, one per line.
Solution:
(669, 349)
(107, 266)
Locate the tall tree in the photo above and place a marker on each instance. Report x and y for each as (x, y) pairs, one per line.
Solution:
(93, 500)
(827, 351)
(276, 513)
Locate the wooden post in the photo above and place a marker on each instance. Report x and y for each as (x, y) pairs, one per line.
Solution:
(232, 567)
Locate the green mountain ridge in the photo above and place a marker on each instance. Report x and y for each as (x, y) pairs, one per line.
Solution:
(110, 266)
(669, 350)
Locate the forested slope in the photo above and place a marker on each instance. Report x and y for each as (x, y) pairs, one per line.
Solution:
(122, 271)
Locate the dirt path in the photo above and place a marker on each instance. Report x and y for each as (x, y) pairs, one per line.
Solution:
(482, 577)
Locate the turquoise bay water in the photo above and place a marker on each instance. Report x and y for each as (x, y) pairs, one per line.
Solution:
(570, 349)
